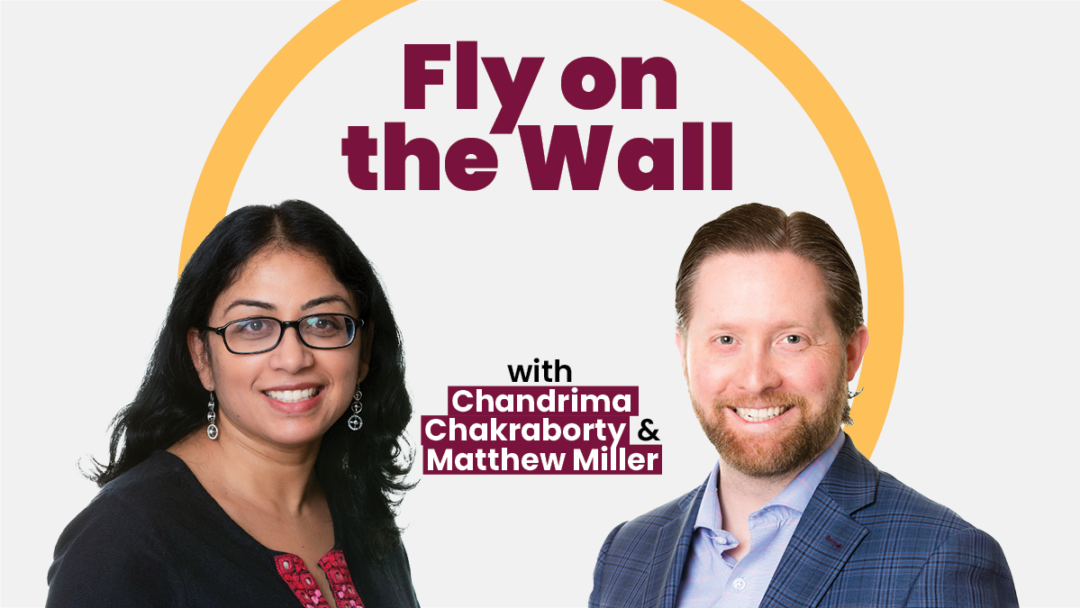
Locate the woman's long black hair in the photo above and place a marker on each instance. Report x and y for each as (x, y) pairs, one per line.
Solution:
(362, 473)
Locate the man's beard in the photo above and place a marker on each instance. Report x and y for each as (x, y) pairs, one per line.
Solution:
(785, 449)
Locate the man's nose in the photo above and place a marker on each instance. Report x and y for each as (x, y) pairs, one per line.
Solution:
(758, 373)
(291, 355)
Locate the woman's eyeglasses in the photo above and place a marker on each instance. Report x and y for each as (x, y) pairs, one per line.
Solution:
(261, 334)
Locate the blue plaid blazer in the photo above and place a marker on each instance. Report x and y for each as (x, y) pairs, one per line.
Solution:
(865, 540)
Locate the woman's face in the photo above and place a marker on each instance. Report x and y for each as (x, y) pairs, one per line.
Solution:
(291, 395)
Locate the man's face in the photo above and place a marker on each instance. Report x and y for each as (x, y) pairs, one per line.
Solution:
(766, 367)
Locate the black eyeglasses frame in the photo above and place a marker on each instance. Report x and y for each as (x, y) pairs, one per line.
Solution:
(359, 323)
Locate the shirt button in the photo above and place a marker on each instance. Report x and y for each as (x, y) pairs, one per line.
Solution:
(739, 584)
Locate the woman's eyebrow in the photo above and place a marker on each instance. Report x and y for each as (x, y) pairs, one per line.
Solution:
(323, 300)
(255, 303)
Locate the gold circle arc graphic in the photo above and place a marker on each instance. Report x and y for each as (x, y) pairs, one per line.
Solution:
(809, 87)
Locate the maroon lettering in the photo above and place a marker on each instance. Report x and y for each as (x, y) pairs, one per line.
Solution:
(633, 75)
(603, 83)
(512, 91)
(693, 156)
(662, 154)
(417, 76)
(458, 164)
(545, 171)
(358, 148)
(398, 150)
(721, 156)
(466, 75)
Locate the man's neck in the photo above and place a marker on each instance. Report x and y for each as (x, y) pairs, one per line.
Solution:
(740, 495)
(743, 492)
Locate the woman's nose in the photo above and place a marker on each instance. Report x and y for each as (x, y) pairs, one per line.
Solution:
(291, 355)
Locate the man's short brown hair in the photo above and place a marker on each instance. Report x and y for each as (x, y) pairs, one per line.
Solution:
(757, 228)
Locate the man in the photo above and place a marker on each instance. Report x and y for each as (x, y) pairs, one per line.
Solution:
(770, 329)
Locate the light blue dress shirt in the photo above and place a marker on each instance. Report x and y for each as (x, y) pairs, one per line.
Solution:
(712, 578)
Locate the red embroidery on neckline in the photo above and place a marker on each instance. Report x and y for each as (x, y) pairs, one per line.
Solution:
(292, 569)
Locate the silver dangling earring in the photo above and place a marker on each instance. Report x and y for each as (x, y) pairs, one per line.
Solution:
(851, 395)
(355, 421)
(212, 430)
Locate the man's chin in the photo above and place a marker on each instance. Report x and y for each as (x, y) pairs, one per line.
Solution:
(773, 456)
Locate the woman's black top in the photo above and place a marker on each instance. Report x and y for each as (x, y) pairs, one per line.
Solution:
(155, 537)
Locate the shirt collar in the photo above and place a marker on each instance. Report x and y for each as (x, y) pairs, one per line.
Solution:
(795, 496)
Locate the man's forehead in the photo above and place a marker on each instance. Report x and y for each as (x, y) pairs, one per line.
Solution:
(778, 288)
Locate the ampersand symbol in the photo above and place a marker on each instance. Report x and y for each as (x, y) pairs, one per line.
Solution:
(647, 434)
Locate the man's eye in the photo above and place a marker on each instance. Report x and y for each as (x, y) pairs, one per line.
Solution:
(726, 340)
(793, 339)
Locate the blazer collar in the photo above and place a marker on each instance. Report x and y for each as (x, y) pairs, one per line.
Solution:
(826, 535)
(672, 547)
(852, 480)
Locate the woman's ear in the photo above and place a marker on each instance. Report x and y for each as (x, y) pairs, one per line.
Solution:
(200, 356)
(367, 334)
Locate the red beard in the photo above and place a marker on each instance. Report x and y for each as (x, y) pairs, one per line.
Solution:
(792, 445)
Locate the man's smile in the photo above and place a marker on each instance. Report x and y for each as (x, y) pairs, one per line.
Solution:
(761, 414)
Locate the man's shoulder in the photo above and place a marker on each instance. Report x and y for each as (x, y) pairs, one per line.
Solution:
(897, 502)
(876, 528)
(902, 521)
(875, 498)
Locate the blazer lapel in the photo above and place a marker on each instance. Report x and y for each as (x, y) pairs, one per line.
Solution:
(826, 535)
(672, 546)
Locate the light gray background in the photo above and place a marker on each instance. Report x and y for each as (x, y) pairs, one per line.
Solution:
(109, 111)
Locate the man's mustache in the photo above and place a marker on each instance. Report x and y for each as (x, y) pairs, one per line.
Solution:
(770, 399)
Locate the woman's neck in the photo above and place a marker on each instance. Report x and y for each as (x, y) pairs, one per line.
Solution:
(237, 470)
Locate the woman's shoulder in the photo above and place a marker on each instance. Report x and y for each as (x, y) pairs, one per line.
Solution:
(117, 546)
(160, 472)
(140, 499)
(153, 536)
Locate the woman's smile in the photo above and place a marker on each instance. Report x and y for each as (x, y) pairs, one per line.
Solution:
(293, 395)
(294, 400)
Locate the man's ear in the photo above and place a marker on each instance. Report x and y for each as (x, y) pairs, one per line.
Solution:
(856, 348)
(200, 356)
(366, 336)
(680, 342)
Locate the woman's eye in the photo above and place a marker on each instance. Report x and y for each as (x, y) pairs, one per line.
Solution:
(251, 329)
(323, 325)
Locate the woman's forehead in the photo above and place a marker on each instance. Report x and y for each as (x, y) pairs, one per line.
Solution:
(284, 279)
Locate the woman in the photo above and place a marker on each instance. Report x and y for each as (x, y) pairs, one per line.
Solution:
(258, 463)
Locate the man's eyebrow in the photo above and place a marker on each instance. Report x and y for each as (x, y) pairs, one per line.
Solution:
(255, 303)
(324, 300)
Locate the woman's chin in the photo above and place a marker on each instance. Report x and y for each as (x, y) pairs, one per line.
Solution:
(284, 433)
